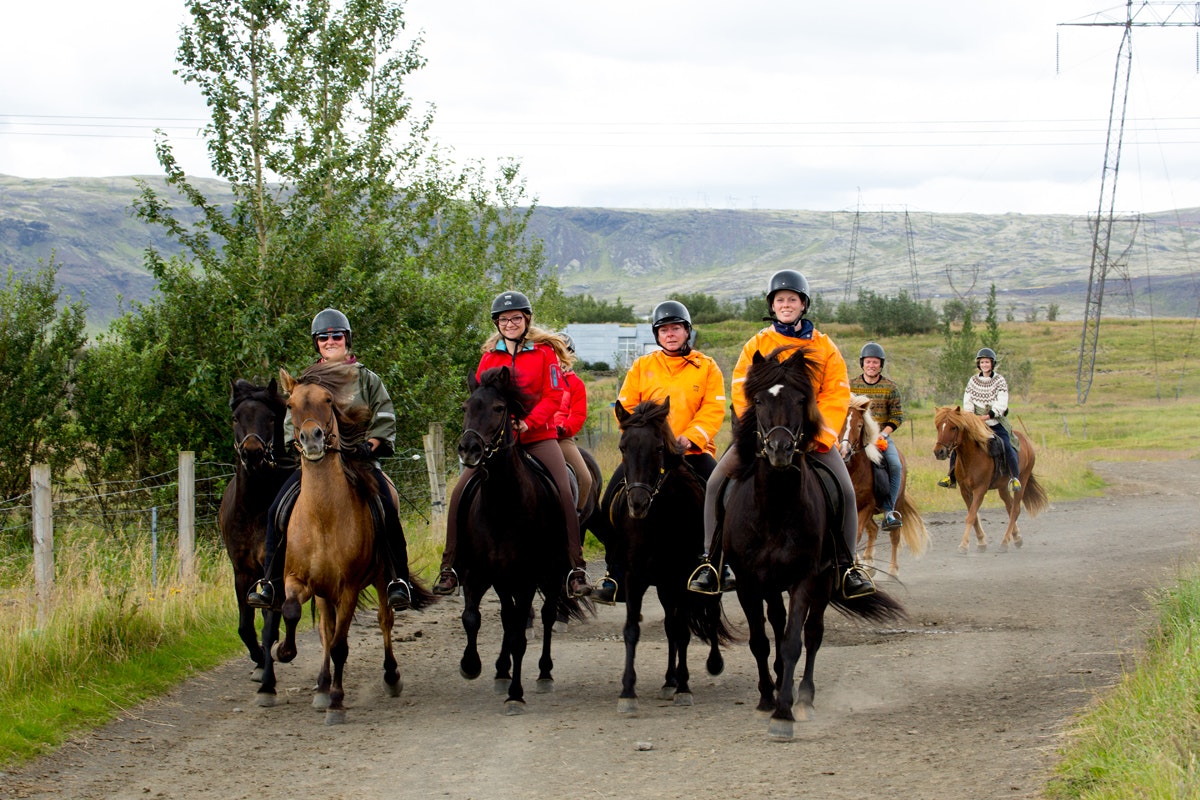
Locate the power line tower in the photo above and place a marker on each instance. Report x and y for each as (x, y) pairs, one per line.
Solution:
(1139, 15)
(853, 250)
(912, 255)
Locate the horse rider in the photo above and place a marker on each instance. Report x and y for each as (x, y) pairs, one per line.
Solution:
(986, 396)
(571, 415)
(695, 386)
(526, 350)
(886, 410)
(788, 301)
(332, 339)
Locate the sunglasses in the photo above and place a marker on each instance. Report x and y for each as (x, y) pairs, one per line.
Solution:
(325, 337)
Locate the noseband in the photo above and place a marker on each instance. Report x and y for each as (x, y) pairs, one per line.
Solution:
(240, 447)
(330, 440)
(795, 436)
(503, 440)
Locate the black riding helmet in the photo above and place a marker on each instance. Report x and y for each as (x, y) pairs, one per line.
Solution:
(986, 352)
(511, 301)
(793, 281)
(672, 312)
(330, 320)
(872, 350)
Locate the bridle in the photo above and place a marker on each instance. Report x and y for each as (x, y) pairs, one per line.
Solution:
(330, 440)
(796, 437)
(239, 445)
(503, 440)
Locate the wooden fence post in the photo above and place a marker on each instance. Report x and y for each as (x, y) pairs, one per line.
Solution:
(187, 515)
(43, 540)
(435, 455)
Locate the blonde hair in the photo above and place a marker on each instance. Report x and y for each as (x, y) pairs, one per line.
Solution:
(538, 335)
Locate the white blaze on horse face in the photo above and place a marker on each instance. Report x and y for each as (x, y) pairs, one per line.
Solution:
(775, 390)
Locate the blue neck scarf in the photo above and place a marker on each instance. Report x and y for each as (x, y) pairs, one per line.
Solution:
(805, 331)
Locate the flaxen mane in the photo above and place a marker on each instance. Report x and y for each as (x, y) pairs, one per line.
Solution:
(974, 427)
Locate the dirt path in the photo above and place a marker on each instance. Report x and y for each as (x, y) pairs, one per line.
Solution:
(968, 700)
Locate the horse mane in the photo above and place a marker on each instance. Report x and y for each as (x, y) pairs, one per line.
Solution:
(340, 380)
(652, 414)
(975, 428)
(516, 398)
(244, 390)
(870, 429)
(794, 372)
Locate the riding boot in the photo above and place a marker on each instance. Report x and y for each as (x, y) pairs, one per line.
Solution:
(854, 581)
(705, 579)
(577, 583)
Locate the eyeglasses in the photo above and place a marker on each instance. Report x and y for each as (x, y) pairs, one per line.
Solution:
(325, 337)
(510, 321)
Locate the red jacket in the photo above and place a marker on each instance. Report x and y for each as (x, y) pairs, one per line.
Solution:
(573, 412)
(535, 369)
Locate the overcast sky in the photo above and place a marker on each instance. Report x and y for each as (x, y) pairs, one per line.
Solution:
(936, 106)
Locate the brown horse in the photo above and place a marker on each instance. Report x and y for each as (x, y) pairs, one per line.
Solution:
(975, 470)
(331, 534)
(865, 463)
(258, 439)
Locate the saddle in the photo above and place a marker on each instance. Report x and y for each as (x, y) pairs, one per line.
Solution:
(475, 480)
(999, 457)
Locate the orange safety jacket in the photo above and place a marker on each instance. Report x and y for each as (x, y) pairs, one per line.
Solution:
(695, 386)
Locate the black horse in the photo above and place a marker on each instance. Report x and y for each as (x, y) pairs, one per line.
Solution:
(777, 533)
(512, 536)
(258, 413)
(657, 527)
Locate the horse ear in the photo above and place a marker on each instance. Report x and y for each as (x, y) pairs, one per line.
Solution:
(622, 414)
(273, 388)
(472, 382)
(233, 392)
(758, 357)
(505, 376)
(286, 381)
(666, 404)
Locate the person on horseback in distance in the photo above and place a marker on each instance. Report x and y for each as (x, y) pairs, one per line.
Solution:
(788, 300)
(695, 386)
(986, 396)
(526, 350)
(332, 339)
(887, 410)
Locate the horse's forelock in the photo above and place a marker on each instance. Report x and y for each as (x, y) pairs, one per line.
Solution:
(514, 396)
(870, 428)
(973, 426)
(244, 390)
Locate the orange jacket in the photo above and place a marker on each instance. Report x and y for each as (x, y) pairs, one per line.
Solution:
(830, 376)
(694, 384)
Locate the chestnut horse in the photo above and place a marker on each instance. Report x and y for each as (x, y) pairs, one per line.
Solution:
(976, 471)
(511, 536)
(657, 516)
(865, 463)
(258, 413)
(331, 553)
(778, 534)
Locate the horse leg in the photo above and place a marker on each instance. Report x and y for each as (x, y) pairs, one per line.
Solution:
(871, 530)
(777, 616)
(513, 615)
(265, 698)
(293, 609)
(469, 666)
(780, 727)
(322, 699)
(545, 680)
(760, 646)
(246, 627)
(635, 592)
(339, 649)
(814, 634)
(973, 501)
(1011, 532)
(678, 640)
(392, 683)
(894, 564)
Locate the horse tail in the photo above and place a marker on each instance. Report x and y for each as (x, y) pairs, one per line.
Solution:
(1034, 499)
(877, 607)
(706, 619)
(576, 608)
(419, 594)
(913, 532)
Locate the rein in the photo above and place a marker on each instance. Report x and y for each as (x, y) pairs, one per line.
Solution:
(503, 440)
(240, 445)
(653, 490)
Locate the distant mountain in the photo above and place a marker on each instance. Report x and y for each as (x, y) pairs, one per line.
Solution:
(642, 256)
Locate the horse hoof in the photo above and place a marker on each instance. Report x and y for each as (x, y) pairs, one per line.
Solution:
(500, 685)
(1003, 548)
(513, 708)
(544, 685)
(265, 700)
(321, 701)
(715, 664)
(285, 656)
(803, 711)
(1017, 543)
(666, 693)
(627, 706)
(962, 548)
(684, 699)
(256, 674)
(981, 548)
(469, 674)
(393, 689)
(780, 730)
(559, 627)
(335, 716)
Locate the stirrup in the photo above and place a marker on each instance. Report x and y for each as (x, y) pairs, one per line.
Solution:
(856, 569)
(694, 579)
(440, 590)
(401, 603)
(606, 591)
(586, 588)
(946, 482)
(1014, 485)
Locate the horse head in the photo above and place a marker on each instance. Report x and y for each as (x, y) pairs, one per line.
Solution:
(257, 422)
(782, 418)
(862, 431)
(319, 401)
(648, 451)
(488, 414)
(949, 431)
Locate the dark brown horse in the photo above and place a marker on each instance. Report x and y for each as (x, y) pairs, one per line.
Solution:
(871, 487)
(657, 527)
(331, 553)
(512, 536)
(777, 535)
(975, 470)
(258, 413)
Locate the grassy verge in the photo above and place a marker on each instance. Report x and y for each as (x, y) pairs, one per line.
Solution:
(1143, 738)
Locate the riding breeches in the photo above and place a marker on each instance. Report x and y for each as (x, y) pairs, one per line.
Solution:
(583, 475)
